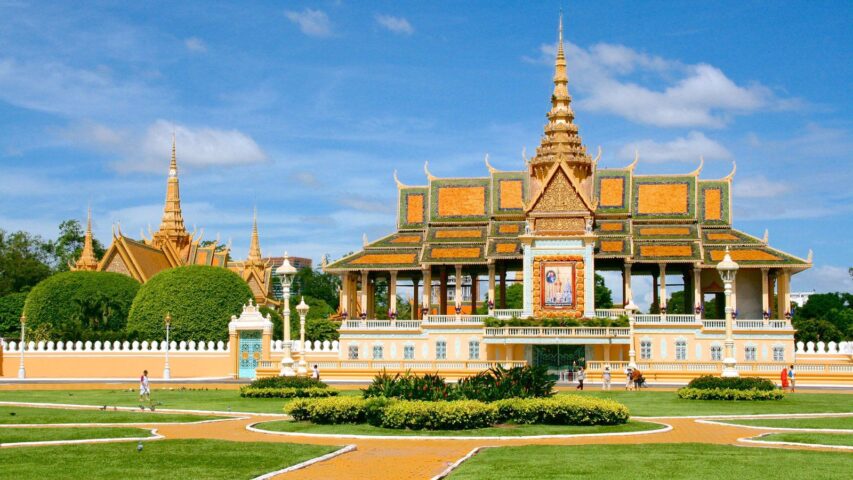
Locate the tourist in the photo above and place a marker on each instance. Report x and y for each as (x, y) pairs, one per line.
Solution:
(315, 374)
(784, 378)
(791, 379)
(605, 377)
(144, 387)
(629, 380)
(581, 377)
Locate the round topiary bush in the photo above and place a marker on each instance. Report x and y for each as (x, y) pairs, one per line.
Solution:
(80, 305)
(200, 299)
(11, 308)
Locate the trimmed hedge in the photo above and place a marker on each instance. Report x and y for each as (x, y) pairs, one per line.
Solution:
(250, 392)
(201, 300)
(732, 383)
(688, 393)
(457, 415)
(74, 305)
(562, 410)
(288, 382)
(11, 308)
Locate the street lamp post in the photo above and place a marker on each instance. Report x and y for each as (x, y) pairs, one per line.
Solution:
(285, 274)
(167, 372)
(631, 308)
(302, 310)
(22, 372)
(728, 269)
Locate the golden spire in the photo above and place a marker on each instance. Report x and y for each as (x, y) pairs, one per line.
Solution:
(172, 224)
(561, 140)
(87, 260)
(255, 245)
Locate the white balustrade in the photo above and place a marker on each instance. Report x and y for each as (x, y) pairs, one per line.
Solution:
(454, 319)
(507, 313)
(557, 332)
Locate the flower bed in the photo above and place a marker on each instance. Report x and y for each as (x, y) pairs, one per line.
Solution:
(688, 393)
(288, 392)
(707, 382)
(458, 414)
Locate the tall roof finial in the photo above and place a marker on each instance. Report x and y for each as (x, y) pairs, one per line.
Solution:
(255, 244)
(172, 223)
(560, 40)
(87, 260)
(173, 166)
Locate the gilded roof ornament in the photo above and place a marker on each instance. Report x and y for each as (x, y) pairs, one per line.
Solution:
(87, 260)
(398, 182)
(430, 176)
(696, 172)
(766, 237)
(810, 257)
(636, 160)
(489, 165)
(597, 158)
(364, 241)
(731, 175)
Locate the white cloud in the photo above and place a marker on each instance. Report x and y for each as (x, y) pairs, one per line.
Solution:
(758, 187)
(195, 45)
(314, 23)
(397, 25)
(682, 149)
(677, 95)
(150, 150)
(823, 279)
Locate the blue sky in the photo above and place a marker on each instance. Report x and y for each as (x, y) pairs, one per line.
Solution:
(307, 108)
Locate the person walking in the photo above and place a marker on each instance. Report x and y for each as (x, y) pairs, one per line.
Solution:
(144, 387)
(315, 373)
(784, 378)
(581, 378)
(791, 379)
(605, 378)
(629, 378)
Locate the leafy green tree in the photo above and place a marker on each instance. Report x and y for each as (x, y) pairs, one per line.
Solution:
(200, 300)
(69, 245)
(811, 330)
(833, 308)
(81, 305)
(603, 295)
(675, 303)
(317, 323)
(24, 261)
(316, 284)
(11, 308)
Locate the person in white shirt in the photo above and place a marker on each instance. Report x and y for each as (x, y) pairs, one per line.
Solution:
(144, 387)
(315, 373)
(605, 378)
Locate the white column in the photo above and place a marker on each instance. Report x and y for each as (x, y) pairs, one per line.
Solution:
(765, 290)
(343, 305)
(457, 287)
(392, 292)
(491, 298)
(626, 285)
(729, 363)
(786, 294)
(734, 295)
(22, 372)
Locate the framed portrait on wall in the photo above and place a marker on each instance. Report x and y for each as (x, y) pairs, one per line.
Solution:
(558, 285)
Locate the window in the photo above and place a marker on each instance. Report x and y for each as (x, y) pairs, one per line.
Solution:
(778, 353)
(646, 349)
(441, 350)
(409, 352)
(377, 352)
(473, 350)
(750, 353)
(681, 350)
(353, 352)
(716, 353)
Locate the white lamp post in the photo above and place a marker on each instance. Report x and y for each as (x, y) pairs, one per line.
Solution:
(302, 310)
(285, 274)
(728, 269)
(631, 308)
(167, 372)
(22, 372)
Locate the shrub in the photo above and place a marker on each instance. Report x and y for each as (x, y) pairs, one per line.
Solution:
(200, 299)
(562, 410)
(499, 383)
(251, 392)
(288, 382)
(331, 410)
(688, 393)
(734, 383)
(456, 415)
(11, 308)
(407, 386)
(74, 305)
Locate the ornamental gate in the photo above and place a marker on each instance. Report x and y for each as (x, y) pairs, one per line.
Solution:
(250, 352)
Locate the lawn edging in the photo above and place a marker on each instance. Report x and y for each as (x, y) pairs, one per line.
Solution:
(154, 436)
(252, 428)
(458, 463)
(770, 443)
(782, 429)
(298, 466)
(136, 409)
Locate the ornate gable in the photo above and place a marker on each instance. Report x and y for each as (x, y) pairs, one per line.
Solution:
(560, 195)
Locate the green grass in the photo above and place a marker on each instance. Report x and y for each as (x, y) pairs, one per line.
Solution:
(32, 415)
(218, 399)
(642, 462)
(821, 422)
(510, 430)
(659, 403)
(816, 438)
(14, 434)
(207, 459)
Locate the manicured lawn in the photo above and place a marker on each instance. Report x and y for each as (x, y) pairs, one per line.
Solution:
(658, 403)
(187, 459)
(817, 438)
(220, 400)
(511, 430)
(642, 462)
(821, 422)
(14, 434)
(32, 415)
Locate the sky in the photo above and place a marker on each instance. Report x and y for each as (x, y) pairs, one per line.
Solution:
(305, 109)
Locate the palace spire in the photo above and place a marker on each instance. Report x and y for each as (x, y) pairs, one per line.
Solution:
(561, 140)
(172, 224)
(254, 257)
(87, 260)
